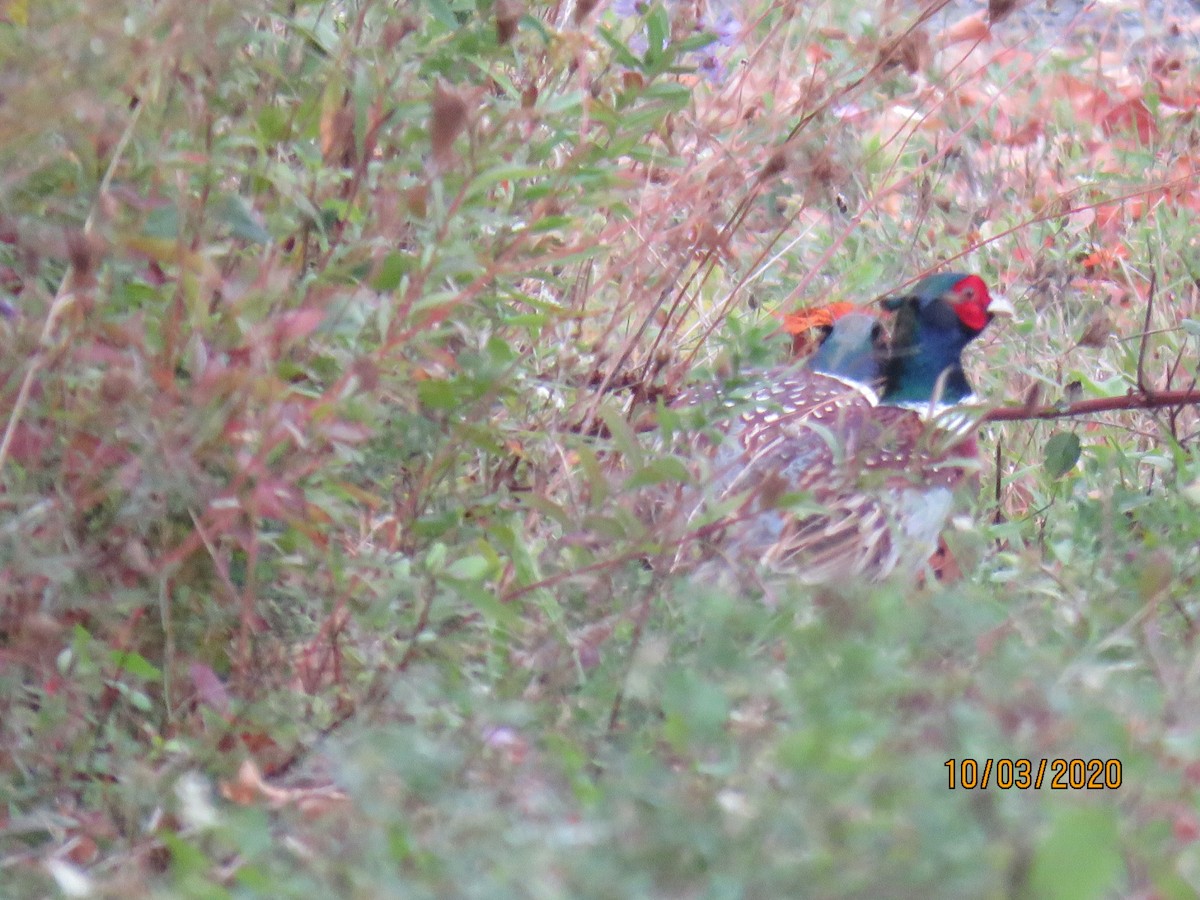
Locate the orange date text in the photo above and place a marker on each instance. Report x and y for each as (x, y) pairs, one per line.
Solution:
(1055, 774)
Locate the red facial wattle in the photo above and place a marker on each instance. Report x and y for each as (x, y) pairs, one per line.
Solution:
(971, 302)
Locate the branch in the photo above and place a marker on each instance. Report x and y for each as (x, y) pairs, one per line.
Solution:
(1145, 399)
(1141, 371)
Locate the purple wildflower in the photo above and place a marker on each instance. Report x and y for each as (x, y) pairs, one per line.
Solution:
(725, 29)
(710, 67)
(627, 9)
(724, 26)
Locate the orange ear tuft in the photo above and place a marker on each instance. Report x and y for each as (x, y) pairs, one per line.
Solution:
(804, 324)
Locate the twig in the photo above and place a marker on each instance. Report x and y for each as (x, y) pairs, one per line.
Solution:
(1145, 399)
(640, 617)
(422, 623)
(1141, 373)
(999, 494)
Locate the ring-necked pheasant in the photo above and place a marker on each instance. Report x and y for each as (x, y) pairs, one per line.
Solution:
(871, 477)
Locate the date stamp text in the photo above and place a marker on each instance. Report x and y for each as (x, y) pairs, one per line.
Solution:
(1055, 774)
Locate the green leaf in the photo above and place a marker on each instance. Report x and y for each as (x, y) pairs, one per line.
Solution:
(548, 508)
(162, 222)
(549, 223)
(695, 42)
(186, 858)
(622, 435)
(610, 527)
(1080, 858)
(593, 471)
(561, 104)
(435, 559)
(393, 268)
(693, 706)
(137, 665)
(1191, 326)
(491, 177)
(1062, 452)
(675, 95)
(440, 393)
(528, 22)
(488, 604)
(469, 568)
(668, 468)
(658, 27)
(232, 211)
(274, 124)
(622, 53)
(443, 13)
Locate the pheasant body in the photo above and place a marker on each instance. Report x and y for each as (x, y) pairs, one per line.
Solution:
(847, 370)
(871, 475)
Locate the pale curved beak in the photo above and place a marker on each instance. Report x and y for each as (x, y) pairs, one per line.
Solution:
(999, 306)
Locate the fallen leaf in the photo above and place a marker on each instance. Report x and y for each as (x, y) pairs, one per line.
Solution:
(970, 29)
(1131, 115)
(337, 131)
(1097, 330)
(250, 788)
(447, 121)
(508, 13)
(910, 50)
(209, 687)
(1000, 9)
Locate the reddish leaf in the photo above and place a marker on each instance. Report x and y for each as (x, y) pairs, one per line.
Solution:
(970, 29)
(337, 132)
(297, 324)
(447, 120)
(583, 9)
(1186, 827)
(1025, 134)
(910, 50)
(816, 53)
(30, 443)
(278, 499)
(508, 13)
(209, 687)
(1131, 115)
(999, 9)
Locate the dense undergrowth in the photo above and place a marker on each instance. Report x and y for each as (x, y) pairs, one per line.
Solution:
(332, 339)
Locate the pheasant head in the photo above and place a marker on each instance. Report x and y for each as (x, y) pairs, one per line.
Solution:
(934, 323)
